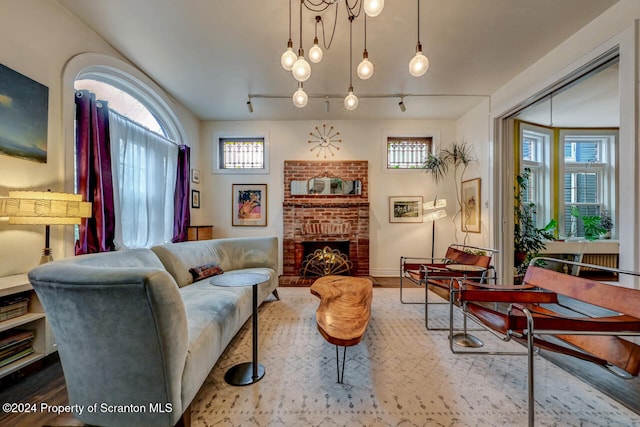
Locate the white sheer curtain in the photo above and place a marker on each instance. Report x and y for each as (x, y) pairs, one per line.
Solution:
(144, 179)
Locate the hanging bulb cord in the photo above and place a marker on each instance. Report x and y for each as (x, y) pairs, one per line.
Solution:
(351, 17)
(300, 45)
(365, 33)
(418, 21)
(290, 20)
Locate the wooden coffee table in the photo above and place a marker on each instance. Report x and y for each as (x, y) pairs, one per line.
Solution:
(344, 311)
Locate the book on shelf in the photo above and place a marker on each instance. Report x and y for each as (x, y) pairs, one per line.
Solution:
(14, 305)
(13, 358)
(14, 345)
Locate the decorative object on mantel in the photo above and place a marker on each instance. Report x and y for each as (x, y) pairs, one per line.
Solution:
(325, 140)
(249, 204)
(44, 207)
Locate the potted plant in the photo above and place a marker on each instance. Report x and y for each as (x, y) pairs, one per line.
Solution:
(591, 223)
(457, 156)
(607, 224)
(528, 239)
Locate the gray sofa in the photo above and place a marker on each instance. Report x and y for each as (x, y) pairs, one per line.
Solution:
(136, 336)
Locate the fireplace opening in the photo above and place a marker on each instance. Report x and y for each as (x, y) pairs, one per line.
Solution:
(325, 258)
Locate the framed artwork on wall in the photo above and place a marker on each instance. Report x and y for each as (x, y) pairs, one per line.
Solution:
(24, 107)
(471, 205)
(195, 199)
(405, 209)
(249, 205)
(195, 176)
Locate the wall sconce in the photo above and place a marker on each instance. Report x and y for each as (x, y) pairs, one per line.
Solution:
(44, 207)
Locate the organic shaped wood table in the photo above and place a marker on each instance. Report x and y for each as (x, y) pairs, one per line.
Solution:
(344, 311)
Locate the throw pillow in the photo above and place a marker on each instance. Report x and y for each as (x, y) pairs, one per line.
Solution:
(203, 271)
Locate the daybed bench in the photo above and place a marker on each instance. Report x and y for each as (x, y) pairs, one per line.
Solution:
(138, 333)
(558, 312)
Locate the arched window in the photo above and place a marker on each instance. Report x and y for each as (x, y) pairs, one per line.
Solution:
(145, 134)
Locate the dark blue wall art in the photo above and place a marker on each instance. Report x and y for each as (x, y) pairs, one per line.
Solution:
(24, 105)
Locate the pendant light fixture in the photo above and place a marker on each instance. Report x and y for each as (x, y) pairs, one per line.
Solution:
(350, 101)
(300, 97)
(373, 8)
(315, 53)
(288, 57)
(365, 68)
(419, 63)
(301, 68)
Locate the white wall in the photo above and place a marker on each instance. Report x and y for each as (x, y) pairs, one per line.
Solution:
(363, 140)
(37, 38)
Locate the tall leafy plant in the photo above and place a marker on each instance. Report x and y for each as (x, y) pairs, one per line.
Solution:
(528, 239)
(454, 158)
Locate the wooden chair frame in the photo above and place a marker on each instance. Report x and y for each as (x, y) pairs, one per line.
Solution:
(529, 317)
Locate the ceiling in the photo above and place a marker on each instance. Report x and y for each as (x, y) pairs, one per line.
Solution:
(210, 54)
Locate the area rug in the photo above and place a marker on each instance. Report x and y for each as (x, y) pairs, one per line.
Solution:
(399, 375)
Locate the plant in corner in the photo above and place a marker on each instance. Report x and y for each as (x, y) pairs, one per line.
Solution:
(528, 239)
(457, 156)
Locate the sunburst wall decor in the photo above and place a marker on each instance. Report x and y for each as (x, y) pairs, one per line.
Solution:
(324, 140)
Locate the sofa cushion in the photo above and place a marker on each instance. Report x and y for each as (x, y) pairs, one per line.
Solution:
(207, 270)
(230, 254)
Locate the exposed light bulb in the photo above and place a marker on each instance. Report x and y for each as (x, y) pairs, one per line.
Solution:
(315, 53)
(365, 69)
(351, 101)
(301, 69)
(288, 58)
(300, 97)
(373, 8)
(419, 64)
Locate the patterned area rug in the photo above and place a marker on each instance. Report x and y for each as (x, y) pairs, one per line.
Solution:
(399, 375)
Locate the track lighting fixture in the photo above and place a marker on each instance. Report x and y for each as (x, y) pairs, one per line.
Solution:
(403, 107)
(326, 105)
(250, 106)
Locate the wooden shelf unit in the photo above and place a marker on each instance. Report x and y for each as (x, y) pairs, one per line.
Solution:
(200, 232)
(34, 319)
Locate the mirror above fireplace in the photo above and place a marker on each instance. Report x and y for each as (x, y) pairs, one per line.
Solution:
(326, 186)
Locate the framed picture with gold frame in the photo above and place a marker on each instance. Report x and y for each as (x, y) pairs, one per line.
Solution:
(470, 196)
(405, 209)
(249, 205)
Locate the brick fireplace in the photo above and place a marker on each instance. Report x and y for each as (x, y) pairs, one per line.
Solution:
(334, 219)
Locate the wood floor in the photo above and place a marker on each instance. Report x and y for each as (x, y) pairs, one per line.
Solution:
(47, 385)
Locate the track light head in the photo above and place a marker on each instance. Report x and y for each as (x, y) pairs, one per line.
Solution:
(250, 106)
(403, 107)
(326, 105)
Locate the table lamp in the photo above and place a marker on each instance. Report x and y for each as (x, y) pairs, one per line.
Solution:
(436, 213)
(44, 207)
